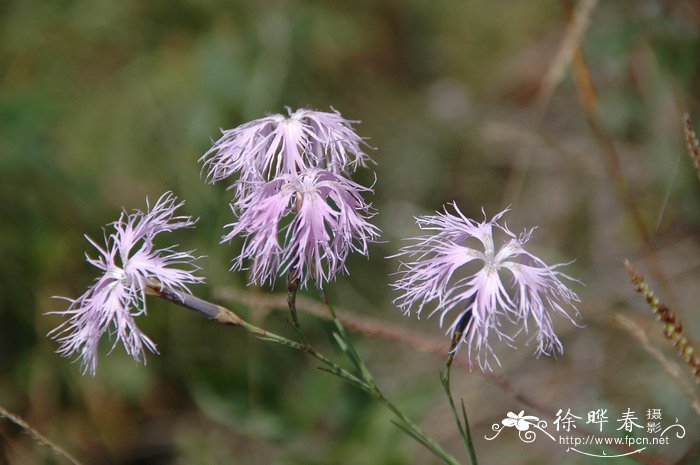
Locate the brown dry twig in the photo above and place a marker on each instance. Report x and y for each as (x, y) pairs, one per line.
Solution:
(37, 436)
(588, 97)
(553, 76)
(693, 145)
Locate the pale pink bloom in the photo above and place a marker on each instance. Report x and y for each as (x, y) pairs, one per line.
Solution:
(276, 144)
(128, 261)
(459, 269)
(304, 223)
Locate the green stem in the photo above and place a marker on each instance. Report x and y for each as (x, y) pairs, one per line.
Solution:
(292, 287)
(225, 316)
(332, 366)
(415, 431)
(345, 343)
(446, 379)
(462, 423)
(406, 423)
(369, 386)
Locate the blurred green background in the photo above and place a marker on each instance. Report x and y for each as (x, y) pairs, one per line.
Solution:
(103, 103)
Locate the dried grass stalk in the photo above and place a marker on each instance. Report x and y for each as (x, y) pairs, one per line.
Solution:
(673, 328)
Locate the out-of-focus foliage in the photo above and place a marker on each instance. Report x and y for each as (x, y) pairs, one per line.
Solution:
(105, 102)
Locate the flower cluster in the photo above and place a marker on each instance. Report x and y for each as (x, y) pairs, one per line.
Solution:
(296, 210)
(299, 214)
(459, 268)
(130, 263)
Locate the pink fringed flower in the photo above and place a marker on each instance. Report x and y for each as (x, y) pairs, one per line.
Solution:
(459, 268)
(303, 223)
(129, 261)
(276, 144)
